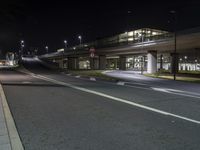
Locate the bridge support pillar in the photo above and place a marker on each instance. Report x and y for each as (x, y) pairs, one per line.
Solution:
(174, 62)
(152, 62)
(73, 63)
(102, 62)
(161, 62)
(122, 63)
(94, 65)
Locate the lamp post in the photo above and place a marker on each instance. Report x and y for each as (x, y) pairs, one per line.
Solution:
(185, 62)
(65, 42)
(142, 57)
(181, 63)
(47, 49)
(36, 50)
(129, 12)
(75, 61)
(175, 55)
(80, 39)
(22, 47)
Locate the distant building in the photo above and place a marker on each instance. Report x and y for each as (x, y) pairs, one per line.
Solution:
(143, 49)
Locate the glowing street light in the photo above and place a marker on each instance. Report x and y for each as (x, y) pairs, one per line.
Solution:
(65, 42)
(22, 46)
(80, 38)
(47, 49)
(185, 62)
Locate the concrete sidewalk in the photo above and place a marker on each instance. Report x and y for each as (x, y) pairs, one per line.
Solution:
(9, 137)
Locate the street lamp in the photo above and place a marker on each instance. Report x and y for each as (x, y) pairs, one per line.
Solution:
(63, 52)
(22, 46)
(47, 49)
(142, 59)
(35, 51)
(185, 62)
(65, 42)
(129, 13)
(175, 55)
(80, 38)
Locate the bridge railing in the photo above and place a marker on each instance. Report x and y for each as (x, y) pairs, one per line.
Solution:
(116, 41)
(127, 41)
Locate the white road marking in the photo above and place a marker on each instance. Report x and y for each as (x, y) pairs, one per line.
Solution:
(135, 83)
(120, 83)
(139, 87)
(118, 99)
(77, 76)
(92, 79)
(177, 92)
(159, 89)
(26, 82)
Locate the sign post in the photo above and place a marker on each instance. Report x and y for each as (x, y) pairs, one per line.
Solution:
(92, 55)
(92, 51)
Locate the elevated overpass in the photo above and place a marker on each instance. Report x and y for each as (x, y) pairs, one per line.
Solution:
(149, 49)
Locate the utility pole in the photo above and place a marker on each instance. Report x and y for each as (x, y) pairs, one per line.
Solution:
(175, 42)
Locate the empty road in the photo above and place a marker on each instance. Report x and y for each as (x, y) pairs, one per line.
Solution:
(54, 111)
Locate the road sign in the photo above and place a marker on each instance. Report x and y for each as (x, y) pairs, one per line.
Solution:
(92, 51)
(92, 55)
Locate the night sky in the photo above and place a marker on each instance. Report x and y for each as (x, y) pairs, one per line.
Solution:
(41, 23)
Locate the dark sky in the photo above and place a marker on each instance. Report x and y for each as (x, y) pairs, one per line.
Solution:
(41, 23)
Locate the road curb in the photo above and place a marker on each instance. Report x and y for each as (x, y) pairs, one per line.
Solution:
(15, 140)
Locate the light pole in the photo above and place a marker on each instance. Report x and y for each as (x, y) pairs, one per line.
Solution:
(175, 55)
(22, 47)
(185, 62)
(35, 51)
(80, 39)
(126, 33)
(47, 49)
(65, 42)
(74, 48)
(129, 12)
(142, 57)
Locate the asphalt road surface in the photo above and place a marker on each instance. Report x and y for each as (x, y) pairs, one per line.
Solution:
(53, 111)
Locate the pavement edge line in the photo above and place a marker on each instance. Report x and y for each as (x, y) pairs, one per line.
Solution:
(15, 140)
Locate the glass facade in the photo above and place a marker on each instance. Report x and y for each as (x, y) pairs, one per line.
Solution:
(136, 63)
(135, 36)
(187, 61)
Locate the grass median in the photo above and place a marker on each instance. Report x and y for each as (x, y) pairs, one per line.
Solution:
(187, 77)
